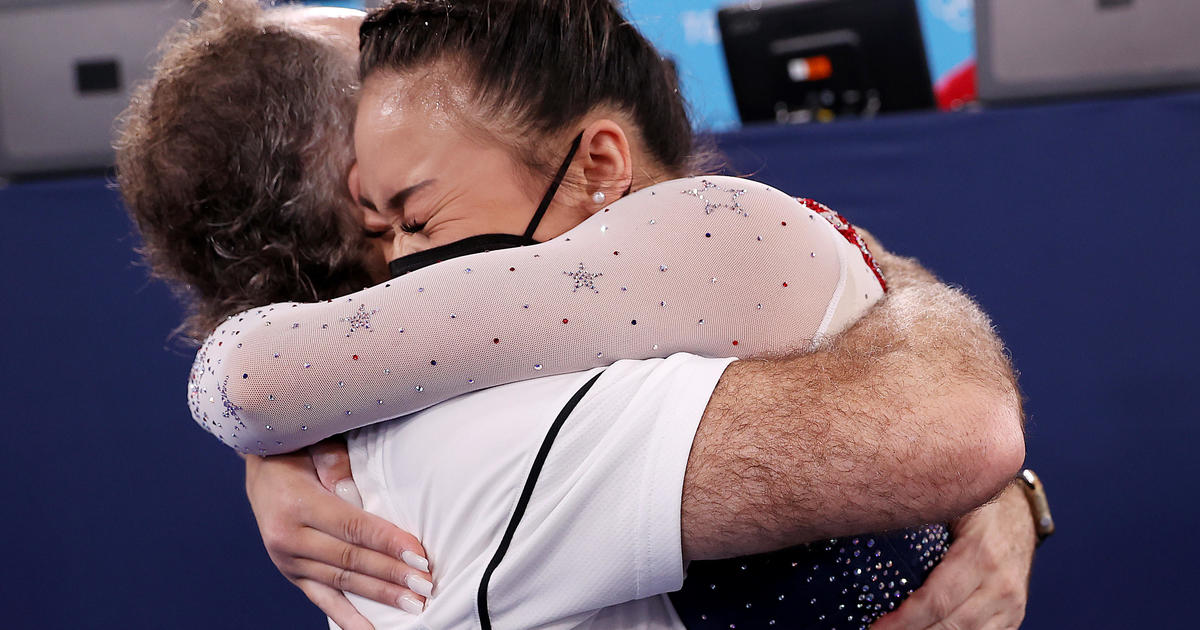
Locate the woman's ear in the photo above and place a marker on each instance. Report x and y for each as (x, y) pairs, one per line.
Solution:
(606, 162)
(372, 220)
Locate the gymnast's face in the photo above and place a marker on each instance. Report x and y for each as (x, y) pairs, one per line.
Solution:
(427, 176)
(419, 179)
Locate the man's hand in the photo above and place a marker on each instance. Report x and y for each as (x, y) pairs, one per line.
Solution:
(983, 582)
(323, 544)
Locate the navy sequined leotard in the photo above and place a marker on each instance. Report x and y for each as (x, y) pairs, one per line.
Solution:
(842, 583)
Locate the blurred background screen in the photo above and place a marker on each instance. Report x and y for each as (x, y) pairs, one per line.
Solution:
(66, 66)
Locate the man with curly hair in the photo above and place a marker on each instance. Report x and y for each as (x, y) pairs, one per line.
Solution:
(231, 161)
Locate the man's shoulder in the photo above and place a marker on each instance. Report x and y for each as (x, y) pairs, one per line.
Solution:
(550, 389)
(656, 391)
(650, 392)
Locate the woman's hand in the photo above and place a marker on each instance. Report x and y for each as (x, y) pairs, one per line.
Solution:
(325, 545)
(983, 582)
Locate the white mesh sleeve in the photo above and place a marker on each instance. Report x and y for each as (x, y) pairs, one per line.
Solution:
(716, 266)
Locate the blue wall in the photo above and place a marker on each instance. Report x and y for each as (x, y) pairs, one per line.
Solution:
(1073, 224)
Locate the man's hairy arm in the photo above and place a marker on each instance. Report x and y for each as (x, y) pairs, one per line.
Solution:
(911, 416)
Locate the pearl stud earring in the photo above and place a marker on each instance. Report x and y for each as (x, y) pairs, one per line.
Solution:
(598, 197)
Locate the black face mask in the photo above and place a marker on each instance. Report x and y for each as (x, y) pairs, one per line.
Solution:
(485, 242)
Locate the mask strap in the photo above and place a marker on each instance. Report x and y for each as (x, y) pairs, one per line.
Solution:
(549, 196)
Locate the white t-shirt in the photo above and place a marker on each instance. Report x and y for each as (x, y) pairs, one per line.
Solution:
(599, 540)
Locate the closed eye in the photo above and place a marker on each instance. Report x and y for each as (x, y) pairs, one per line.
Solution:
(396, 204)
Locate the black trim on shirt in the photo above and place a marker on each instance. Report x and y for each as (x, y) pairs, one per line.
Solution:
(485, 620)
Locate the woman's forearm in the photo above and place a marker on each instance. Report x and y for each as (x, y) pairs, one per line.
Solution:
(715, 266)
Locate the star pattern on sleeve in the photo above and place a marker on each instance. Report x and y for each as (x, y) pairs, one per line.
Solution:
(710, 194)
(359, 320)
(583, 278)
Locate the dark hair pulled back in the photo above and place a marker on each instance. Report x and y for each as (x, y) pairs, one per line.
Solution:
(539, 64)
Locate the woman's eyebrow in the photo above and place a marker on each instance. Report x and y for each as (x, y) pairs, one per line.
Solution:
(396, 202)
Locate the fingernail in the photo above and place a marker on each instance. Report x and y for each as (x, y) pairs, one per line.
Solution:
(326, 460)
(419, 585)
(348, 492)
(410, 604)
(415, 561)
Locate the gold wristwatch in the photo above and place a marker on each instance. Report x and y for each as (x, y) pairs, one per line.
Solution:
(1043, 522)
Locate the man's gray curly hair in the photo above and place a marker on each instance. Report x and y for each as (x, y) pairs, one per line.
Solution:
(233, 159)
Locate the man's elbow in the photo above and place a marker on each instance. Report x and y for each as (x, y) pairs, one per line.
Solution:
(997, 451)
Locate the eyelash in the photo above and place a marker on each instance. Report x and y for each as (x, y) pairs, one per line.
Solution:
(412, 228)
